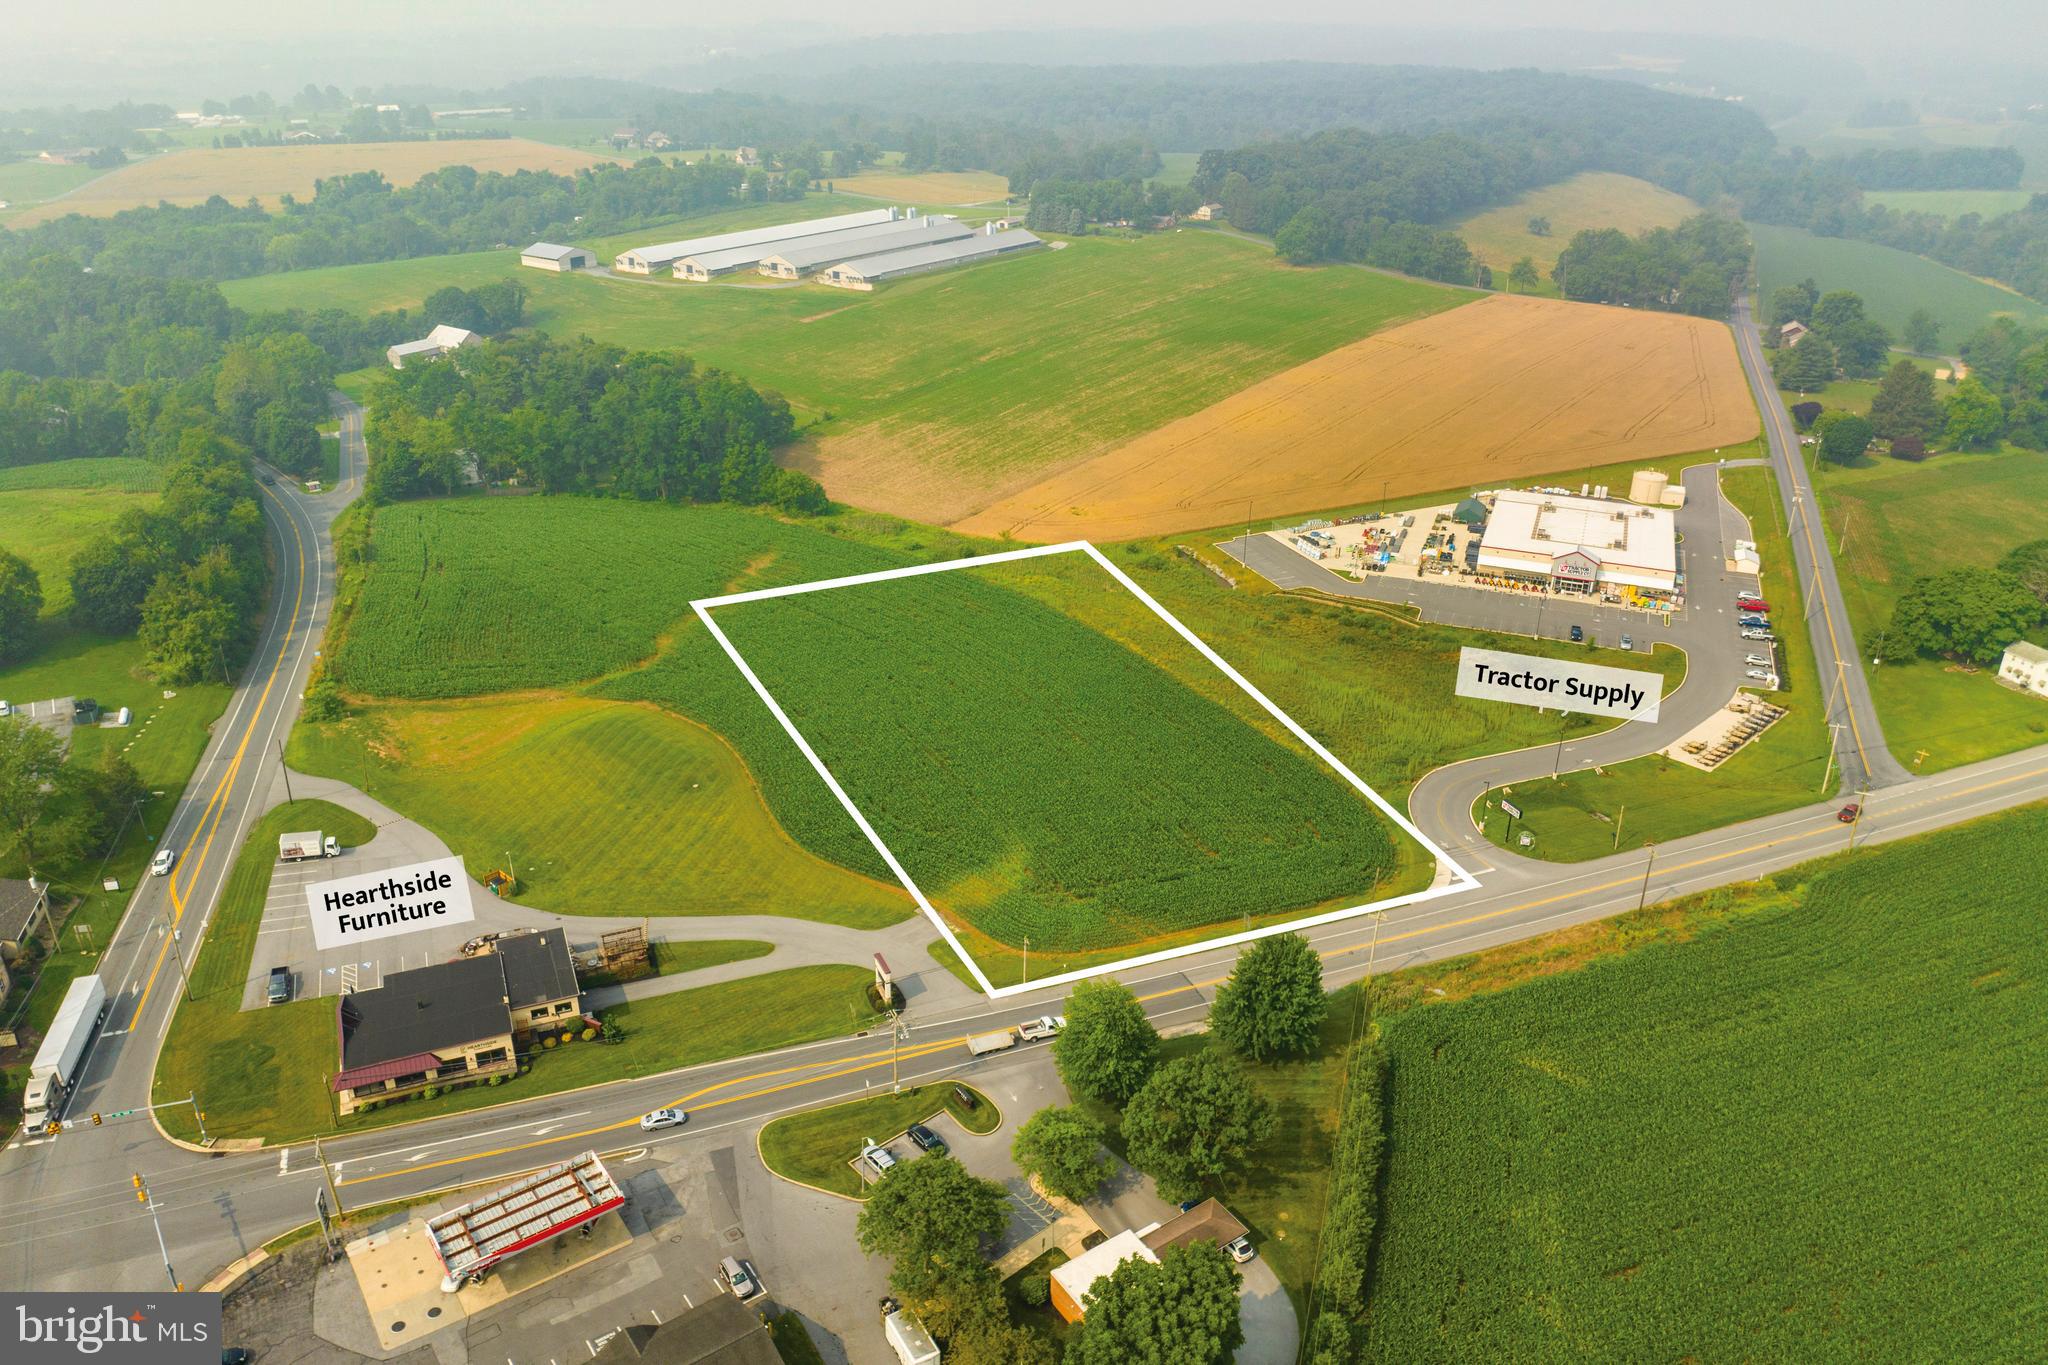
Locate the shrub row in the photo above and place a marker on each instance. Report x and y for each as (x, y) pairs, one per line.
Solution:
(1354, 1206)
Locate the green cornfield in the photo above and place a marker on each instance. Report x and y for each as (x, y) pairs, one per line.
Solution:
(1042, 780)
(1817, 1131)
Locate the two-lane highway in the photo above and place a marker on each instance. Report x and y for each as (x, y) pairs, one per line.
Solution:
(167, 917)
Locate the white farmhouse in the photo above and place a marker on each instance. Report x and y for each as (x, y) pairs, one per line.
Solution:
(432, 346)
(2025, 666)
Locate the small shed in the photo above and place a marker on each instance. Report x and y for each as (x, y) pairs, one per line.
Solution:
(1471, 512)
(553, 256)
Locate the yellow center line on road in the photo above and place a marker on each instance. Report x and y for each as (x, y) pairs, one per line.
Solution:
(872, 1060)
(217, 805)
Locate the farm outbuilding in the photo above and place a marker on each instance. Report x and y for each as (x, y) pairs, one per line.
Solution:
(432, 346)
(982, 246)
(799, 259)
(550, 256)
(649, 260)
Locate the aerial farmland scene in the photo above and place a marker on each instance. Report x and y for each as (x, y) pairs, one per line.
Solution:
(1059, 688)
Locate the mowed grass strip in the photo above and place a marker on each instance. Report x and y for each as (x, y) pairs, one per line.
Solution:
(1040, 780)
(604, 808)
(814, 1147)
(263, 1072)
(1809, 1133)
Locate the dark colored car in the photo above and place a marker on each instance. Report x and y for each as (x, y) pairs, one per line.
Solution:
(967, 1097)
(280, 985)
(1578, 634)
(1847, 814)
(926, 1139)
(235, 1355)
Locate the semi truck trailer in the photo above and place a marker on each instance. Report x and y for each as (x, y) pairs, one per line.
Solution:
(54, 1073)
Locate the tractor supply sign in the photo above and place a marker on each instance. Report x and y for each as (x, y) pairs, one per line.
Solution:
(398, 900)
(110, 1329)
(1558, 684)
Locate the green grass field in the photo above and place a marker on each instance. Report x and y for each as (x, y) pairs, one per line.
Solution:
(932, 695)
(262, 1073)
(985, 373)
(1801, 1128)
(1591, 813)
(1951, 203)
(604, 808)
(25, 184)
(1904, 521)
(1893, 283)
(49, 511)
(1176, 168)
(813, 1147)
(1592, 199)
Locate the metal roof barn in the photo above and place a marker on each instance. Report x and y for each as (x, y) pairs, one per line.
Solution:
(544, 1205)
(793, 262)
(647, 259)
(982, 246)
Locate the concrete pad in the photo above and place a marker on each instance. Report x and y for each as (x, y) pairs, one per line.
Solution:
(535, 1267)
(1724, 725)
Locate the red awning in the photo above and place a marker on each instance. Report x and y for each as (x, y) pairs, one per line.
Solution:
(384, 1071)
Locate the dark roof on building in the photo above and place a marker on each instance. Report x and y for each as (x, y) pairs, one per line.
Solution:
(17, 902)
(1471, 511)
(427, 1008)
(537, 967)
(1207, 1221)
(719, 1331)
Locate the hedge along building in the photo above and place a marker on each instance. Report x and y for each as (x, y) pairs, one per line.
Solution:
(799, 259)
(649, 260)
(982, 246)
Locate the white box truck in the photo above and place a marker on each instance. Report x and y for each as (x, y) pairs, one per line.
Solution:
(293, 848)
(913, 1345)
(54, 1073)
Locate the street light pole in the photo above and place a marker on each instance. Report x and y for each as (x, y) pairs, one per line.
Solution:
(142, 1196)
(1557, 758)
(1649, 861)
(285, 772)
(171, 931)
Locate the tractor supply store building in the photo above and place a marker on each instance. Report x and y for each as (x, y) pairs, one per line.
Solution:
(452, 1023)
(1581, 545)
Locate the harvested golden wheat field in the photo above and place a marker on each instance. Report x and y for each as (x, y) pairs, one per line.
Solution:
(1504, 389)
(239, 174)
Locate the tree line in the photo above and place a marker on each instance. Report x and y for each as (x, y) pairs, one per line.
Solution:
(1932, 168)
(1692, 268)
(580, 417)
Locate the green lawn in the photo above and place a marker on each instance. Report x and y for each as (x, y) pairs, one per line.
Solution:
(814, 1146)
(262, 1072)
(1176, 168)
(1801, 1129)
(943, 954)
(1904, 521)
(603, 808)
(1893, 283)
(24, 184)
(990, 372)
(1658, 799)
(49, 511)
(938, 694)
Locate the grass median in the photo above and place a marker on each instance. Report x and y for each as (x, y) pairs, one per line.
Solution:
(263, 1073)
(815, 1147)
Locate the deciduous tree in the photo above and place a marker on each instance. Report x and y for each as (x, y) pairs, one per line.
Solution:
(1905, 404)
(1921, 332)
(21, 602)
(1109, 1047)
(1062, 1146)
(31, 761)
(1843, 437)
(1273, 1004)
(1181, 1311)
(1974, 418)
(930, 1217)
(1197, 1119)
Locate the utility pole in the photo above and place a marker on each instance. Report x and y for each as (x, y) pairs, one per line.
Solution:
(1027, 957)
(327, 1174)
(1834, 738)
(170, 931)
(142, 1197)
(1383, 500)
(895, 1049)
(1557, 758)
(222, 656)
(1617, 826)
(285, 772)
(1649, 861)
(1862, 800)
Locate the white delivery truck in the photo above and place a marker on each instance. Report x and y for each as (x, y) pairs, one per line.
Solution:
(293, 848)
(983, 1044)
(913, 1345)
(54, 1073)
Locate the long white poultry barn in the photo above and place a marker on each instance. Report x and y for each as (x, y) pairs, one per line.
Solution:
(650, 260)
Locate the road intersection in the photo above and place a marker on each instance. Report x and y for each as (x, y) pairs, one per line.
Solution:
(74, 1223)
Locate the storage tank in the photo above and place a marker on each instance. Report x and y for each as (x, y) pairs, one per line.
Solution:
(1647, 487)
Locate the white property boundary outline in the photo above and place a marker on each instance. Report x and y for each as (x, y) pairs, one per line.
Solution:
(1461, 880)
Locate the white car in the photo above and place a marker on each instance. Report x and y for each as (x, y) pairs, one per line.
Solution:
(160, 865)
(1044, 1026)
(1756, 661)
(1759, 674)
(879, 1157)
(1758, 635)
(663, 1118)
(1241, 1250)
